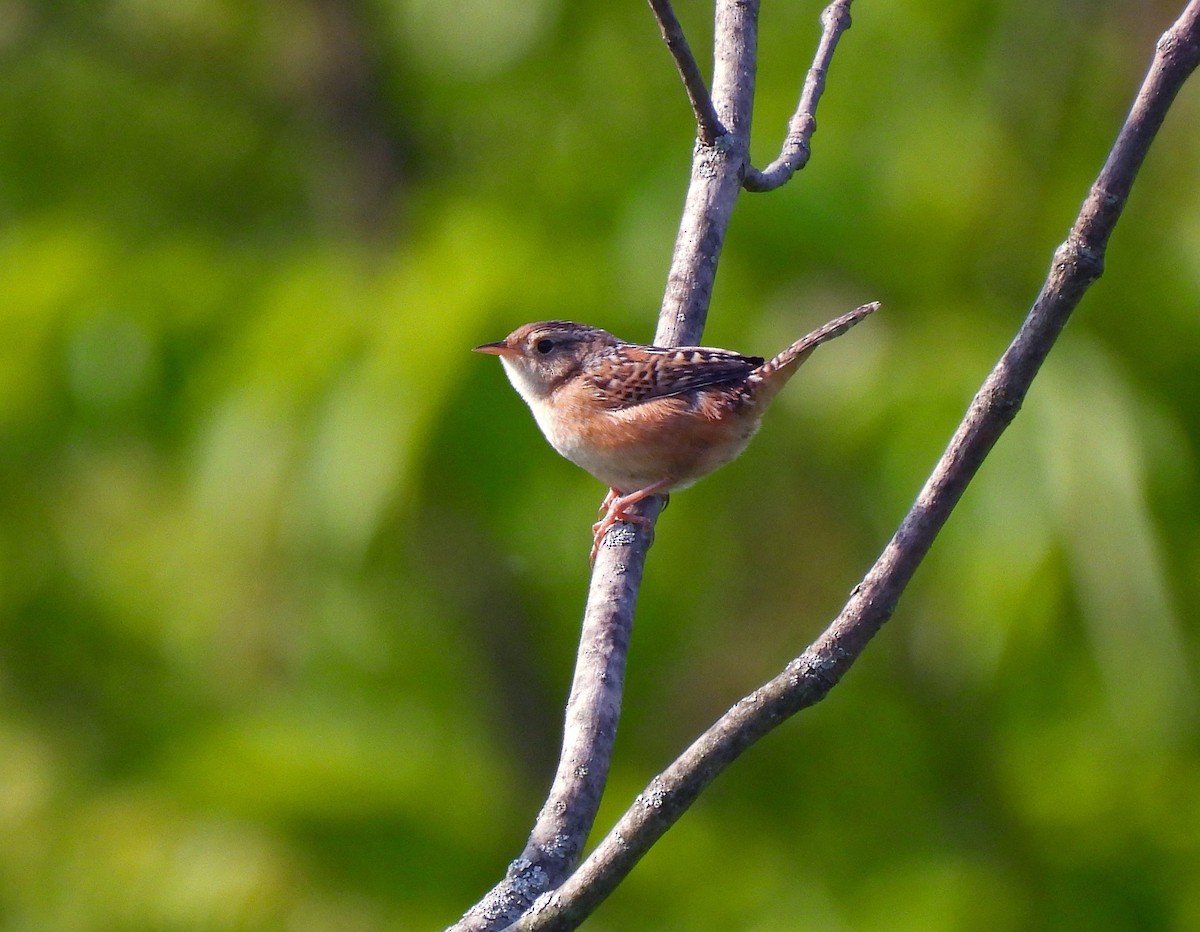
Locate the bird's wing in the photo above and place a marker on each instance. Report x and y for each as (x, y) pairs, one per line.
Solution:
(632, 374)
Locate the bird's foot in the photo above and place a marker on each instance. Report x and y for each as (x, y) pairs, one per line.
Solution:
(615, 507)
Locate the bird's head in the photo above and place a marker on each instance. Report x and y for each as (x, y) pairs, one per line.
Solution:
(539, 357)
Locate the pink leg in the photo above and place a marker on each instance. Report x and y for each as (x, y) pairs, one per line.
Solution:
(616, 512)
(611, 497)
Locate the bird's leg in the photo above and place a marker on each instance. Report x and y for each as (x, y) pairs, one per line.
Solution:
(612, 496)
(616, 505)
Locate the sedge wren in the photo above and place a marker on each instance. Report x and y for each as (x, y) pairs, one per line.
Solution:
(646, 420)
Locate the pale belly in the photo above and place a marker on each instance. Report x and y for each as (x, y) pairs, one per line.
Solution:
(664, 440)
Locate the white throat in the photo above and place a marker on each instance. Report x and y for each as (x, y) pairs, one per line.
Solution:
(530, 389)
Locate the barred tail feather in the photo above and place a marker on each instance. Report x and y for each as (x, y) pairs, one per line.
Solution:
(795, 354)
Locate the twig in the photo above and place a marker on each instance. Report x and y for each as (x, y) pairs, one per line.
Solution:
(708, 124)
(806, 680)
(835, 19)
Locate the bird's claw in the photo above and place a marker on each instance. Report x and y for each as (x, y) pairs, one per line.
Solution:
(614, 508)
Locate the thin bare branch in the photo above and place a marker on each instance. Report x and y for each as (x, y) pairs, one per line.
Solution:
(835, 19)
(1078, 262)
(708, 124)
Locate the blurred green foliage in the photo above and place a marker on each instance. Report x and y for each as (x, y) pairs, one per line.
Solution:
(289, 583)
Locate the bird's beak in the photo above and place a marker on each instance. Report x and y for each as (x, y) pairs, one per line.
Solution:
(496, 349)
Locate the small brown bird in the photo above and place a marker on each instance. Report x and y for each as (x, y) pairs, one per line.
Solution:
(646, 420)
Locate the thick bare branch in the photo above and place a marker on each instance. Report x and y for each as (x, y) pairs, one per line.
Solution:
(835, 19)
(806, 680)
(708, 124)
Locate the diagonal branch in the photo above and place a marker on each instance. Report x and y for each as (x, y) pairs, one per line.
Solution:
(708, 125)
(835, 19)
(1078, 262)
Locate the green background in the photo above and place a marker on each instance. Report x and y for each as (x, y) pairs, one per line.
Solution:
(290, 584)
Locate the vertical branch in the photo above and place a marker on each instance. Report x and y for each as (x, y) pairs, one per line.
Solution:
(716, 178)
(719, 162)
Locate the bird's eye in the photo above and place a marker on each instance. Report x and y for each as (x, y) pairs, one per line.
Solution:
(544, 346)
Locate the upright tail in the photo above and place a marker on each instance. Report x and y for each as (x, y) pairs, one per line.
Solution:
(780, 369)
